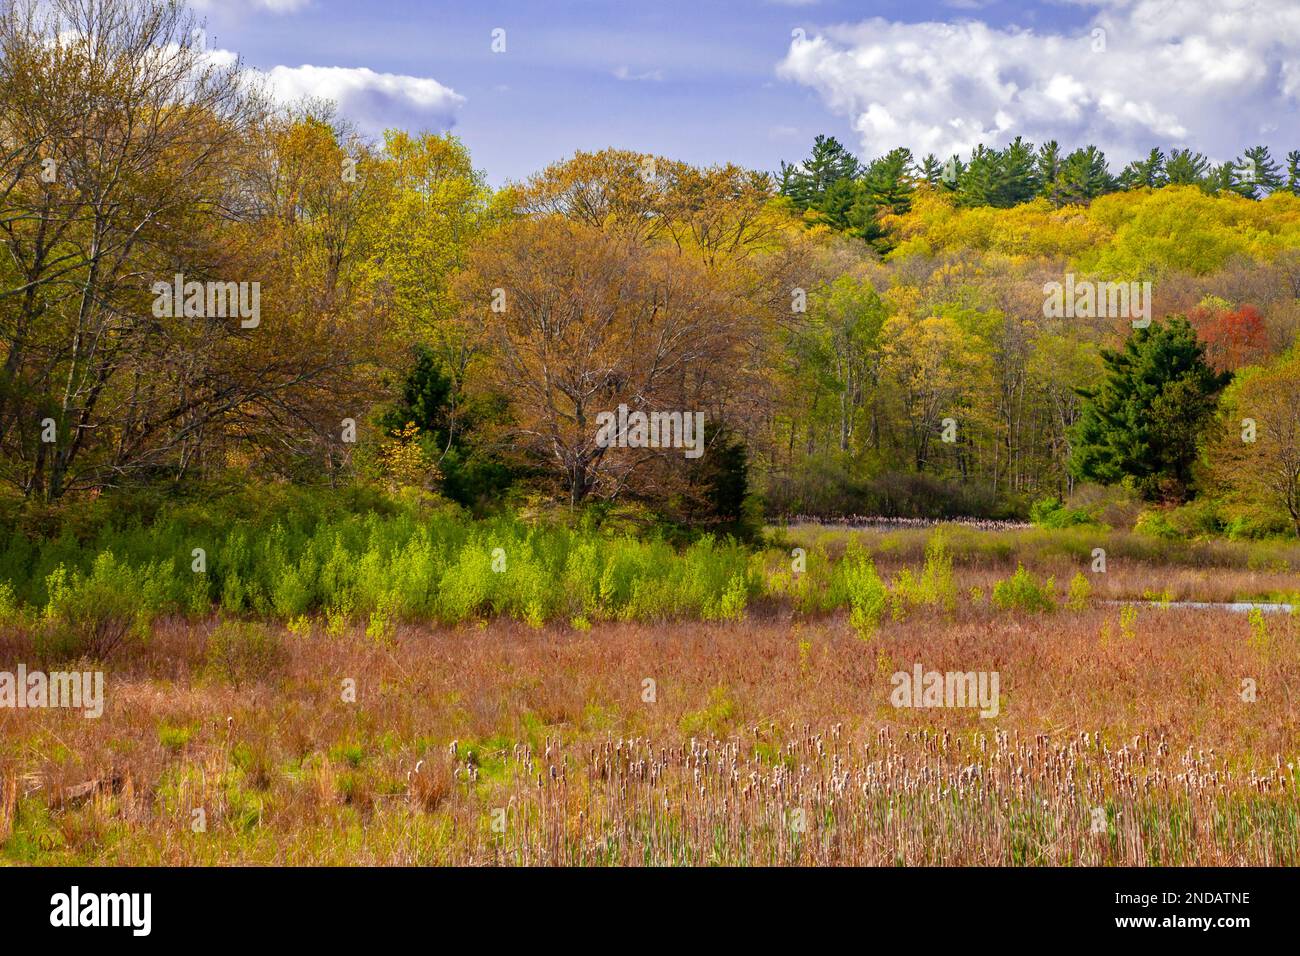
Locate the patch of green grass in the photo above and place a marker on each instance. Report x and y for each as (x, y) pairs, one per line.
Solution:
(176, 736)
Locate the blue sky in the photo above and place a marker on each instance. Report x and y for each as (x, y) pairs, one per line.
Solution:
(711, 81)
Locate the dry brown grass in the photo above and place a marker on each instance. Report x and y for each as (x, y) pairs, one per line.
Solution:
(753, 724)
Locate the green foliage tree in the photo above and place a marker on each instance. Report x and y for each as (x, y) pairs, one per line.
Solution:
(1186, 168)
(847, 207)
(1019, 173)
(828, 164)
(1083, 177)
(1261, 475)
(722, 477)
(1001, 178)
(1260, 169)
(1143, 422)
(1149, 172)
(981, 183)
(1047, 170)
(431, 401)
(890, 180)
(951, 173)
(931, 169)
(1228, 178)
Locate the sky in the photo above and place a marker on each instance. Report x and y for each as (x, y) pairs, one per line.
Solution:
(753, 81)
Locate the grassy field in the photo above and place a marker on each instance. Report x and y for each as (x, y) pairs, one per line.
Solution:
(607, 731)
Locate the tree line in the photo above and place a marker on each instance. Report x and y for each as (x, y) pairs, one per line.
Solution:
(852, 196)
(859, 338)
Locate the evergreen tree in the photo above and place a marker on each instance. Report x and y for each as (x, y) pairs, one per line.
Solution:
(1258, 168)
(1083, 177)
(1293, 171)
(1185, 168)
(982, 180)
(431, 400)
(1227, 177)
(1143, 421)
(848, 208)
(1148, 172)
(1019, 174)
(722, 480)
(931, 170)
(1047, 169)
(829, 163)
(839, 201)
(951, 173)
(788, 180)
(889, 181)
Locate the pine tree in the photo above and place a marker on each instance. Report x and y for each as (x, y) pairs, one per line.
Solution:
(931, 170)
(951, 174)
(1019, 174)
(1142, 423)
(1084, 176)
(889, 181)
(1227, 178)
(1258, 168)
(1047, 169)
(847, 207)
(838, 201)
(1185, 168)
(1148, 172)
(982, 179)
(829, 163)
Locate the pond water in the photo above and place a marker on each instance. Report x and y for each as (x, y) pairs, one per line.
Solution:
(1241, 607)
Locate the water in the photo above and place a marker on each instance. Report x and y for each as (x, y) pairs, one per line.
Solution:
(1240, 607)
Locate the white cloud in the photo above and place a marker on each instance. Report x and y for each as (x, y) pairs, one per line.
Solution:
(623, 73)
(1211, 74)
(374, 101)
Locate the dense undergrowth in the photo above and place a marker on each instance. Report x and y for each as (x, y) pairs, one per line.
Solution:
(96, 575)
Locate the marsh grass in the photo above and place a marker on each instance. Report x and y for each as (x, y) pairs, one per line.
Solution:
(752, 721)
(499, 667)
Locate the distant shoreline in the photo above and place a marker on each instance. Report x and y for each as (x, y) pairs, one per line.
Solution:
(877, 523)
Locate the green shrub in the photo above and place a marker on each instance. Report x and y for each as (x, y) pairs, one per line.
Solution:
(905, 593)
(239, 651)
(937, 586)
(1080, 592)
(867, 594)
(1052, 513)
(731, 605)
(1021, 592)
(820, 587)
(12, 614)
(92, 615)
(1157, 525)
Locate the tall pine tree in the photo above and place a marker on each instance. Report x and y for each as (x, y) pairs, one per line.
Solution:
(1143, 422)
